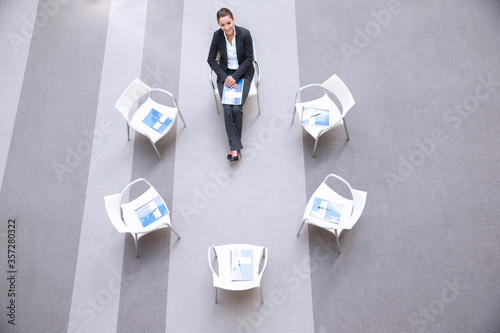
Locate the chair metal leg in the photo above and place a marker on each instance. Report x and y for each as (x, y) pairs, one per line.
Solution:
(315, 145)
(174, 232)
(293, 116)
(347, 133)
(301, 226)
(128, 131)
(337, 238)
(216, 300)
(182, 118)
(261, 299)
(154, 146)
(258, 103)
(136, 246)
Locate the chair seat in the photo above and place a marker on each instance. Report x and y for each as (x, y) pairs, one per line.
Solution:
(153, 120)
(235, 286)
(133, 222)
(224, 278)
(326, 193)
(324, 103)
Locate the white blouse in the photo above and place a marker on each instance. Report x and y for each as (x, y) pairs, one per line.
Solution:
(232, 57)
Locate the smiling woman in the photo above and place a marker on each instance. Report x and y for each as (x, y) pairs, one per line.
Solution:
(235, 46)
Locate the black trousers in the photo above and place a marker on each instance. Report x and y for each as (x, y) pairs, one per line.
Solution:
(233, 116)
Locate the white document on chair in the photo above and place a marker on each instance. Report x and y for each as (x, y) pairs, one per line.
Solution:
(316, 117)
(151, 212)
(157, 121)
(233, 96)
(242, 265)
(326, 210)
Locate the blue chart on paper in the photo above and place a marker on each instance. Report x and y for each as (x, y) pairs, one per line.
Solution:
(233, 96)
(157, 121)
(152, 211)
(326, 210)
(318, 117)
(242, 265)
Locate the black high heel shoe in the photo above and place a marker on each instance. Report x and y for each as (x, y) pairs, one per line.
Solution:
(235, 158)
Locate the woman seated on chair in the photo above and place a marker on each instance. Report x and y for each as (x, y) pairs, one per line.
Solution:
(236, 62)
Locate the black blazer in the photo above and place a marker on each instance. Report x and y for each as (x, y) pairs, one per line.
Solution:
(244, 52)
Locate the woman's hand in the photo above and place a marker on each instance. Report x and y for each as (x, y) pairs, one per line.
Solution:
(230, 82)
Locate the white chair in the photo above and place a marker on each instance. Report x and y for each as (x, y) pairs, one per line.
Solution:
(228, 256)
(141, 216)
(153, 120)
(307, 111)
(329, 210)
(254, 88)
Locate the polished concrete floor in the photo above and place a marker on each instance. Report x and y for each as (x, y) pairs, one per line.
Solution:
(425, 255)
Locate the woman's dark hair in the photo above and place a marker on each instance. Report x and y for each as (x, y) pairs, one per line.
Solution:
(223, 12)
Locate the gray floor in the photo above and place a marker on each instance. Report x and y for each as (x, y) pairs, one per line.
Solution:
(425, 255)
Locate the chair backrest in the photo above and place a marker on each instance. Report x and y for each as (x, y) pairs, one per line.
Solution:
(359, 200)
(339, 178)
(337, 87)
(131, 94)
(113, 209)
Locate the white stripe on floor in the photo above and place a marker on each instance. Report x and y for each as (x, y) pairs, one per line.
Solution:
(258, 200)
(96, 294)
(16, 30)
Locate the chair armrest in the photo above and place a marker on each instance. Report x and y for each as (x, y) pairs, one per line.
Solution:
(165, 92)
(132, 183)
(297, 95)
(265, 260)
(210, 260)
(339, 178)
(210, 77)
(258, 72)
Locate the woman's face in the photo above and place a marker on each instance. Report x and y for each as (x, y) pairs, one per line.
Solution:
(226, 23)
